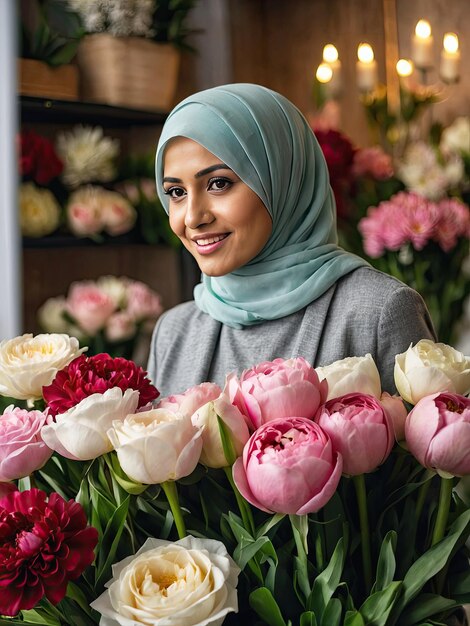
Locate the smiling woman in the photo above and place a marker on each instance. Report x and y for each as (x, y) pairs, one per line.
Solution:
(246, 187)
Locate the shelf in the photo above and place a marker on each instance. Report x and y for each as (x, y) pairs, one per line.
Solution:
(43, 110)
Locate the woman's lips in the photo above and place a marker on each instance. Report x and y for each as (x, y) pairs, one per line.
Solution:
(209, 244)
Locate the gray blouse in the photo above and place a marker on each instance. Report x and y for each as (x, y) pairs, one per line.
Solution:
(366, 311)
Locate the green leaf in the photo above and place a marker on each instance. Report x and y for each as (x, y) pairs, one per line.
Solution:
(325, 584)
(308, 619)
(332, 613)
(424, 606)
(246, 550)
(354, 618)
(34, 616)
(263, 603)
(109, 544)
(386, 564)
(376, 609)
(271, 523)
(227, 442)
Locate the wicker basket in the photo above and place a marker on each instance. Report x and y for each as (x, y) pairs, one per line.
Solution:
(38, 79)
(128, 71)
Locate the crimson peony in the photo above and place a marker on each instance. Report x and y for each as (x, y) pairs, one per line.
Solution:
(43, 545)
(38, 158)
(95, 374)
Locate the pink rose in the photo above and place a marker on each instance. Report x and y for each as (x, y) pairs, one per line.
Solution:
(191, 400)
(118, 214)
(288, 466)
(360, 430)
(437, 432)
(84, 219)
(275, 389)
(397, 412)
(143, 302)
(22, 449)
(89, 306)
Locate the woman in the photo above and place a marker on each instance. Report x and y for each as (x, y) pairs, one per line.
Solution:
(246, 187)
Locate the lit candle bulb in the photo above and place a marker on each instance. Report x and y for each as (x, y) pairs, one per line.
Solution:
(331, 57)
(405, 71)
(324, 75)
(422, 45)
(450, 58)
(366, 68)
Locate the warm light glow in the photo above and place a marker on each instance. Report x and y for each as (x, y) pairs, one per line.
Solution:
(365, 54)
(324, 73)
(451, 43)
(330, 53)
(423, 29)
(404, 68)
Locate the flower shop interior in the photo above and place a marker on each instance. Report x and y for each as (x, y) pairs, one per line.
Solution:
(85, 244)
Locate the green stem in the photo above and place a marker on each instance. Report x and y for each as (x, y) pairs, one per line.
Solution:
(169, 487)
(299, 525)
(244, 508)
(360, 486)
(445, 496)
(422, 493)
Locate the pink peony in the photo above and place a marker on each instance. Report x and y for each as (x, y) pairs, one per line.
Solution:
(44, 544)
(85, 376)
(275, 389)
(397, 412)
(191, 400)
(372, 162)
(437, 432)
(119, 327)
(22, 450)
(360, 430)
(454, 222)
(143, 302)
(118, 214)
(288, 466)
(84, 219)
(89, 306)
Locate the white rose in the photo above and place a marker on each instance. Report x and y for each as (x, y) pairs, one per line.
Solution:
(80, 432)
(206, 418)
(156, 446)
(429, 368)
(27, 363)
(355, 374)
(115, 288)
(190, 582)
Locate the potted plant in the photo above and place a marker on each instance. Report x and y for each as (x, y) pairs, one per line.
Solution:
(131, 53)
(49, 36)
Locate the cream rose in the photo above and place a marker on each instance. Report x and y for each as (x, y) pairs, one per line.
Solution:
(156, 446)
(28, 363)
(356, 374)
(429, 368)
(80, 432)
(191, 582)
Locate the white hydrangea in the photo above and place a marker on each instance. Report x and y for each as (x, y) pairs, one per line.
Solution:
(120, 18)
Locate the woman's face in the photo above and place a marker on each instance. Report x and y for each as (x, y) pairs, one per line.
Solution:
(219, 219)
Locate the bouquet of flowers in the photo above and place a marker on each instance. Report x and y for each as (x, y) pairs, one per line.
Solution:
(110, 314)
(292, 496)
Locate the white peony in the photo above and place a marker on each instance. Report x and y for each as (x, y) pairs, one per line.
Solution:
(190, 582)
(356, 374)
(428, 368)
(87, 155)
(456, 137)
(421, 172)
(80, 432)
(115, 288)
(28, 363)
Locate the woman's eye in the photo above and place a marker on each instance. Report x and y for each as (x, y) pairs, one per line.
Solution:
(219, 184)
(175, 192)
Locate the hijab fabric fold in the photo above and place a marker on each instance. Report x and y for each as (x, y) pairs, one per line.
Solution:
(269, 144)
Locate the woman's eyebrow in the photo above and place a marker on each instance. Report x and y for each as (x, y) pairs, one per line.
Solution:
(206, 170)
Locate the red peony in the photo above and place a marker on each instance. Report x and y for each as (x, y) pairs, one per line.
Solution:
(43, 545)
(38, 158)
(86, 375)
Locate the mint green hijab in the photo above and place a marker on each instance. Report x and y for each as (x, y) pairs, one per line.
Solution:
(268, 143)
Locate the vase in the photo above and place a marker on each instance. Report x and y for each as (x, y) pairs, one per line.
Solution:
(39, 79)
(131, 72)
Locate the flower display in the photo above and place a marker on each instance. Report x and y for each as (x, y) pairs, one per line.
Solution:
(86, 376)
(89, 306)
(92, 209)
(38, 159)
(39, 211)
(438, 433)
(22, 449)
(156, 446)
(428, 368)
(191, 582)
(275, 389)
(289, 465)
(45, 543)
(88, 155)
(29, 363)
(202, 514)
(360, 429)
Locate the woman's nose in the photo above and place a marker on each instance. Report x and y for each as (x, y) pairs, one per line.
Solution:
(197, 213)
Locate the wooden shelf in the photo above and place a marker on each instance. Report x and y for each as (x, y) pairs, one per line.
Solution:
(45, 110)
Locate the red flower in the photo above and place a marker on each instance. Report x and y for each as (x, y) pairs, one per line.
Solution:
(43, 545)
(38, 158)
(86, 375)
